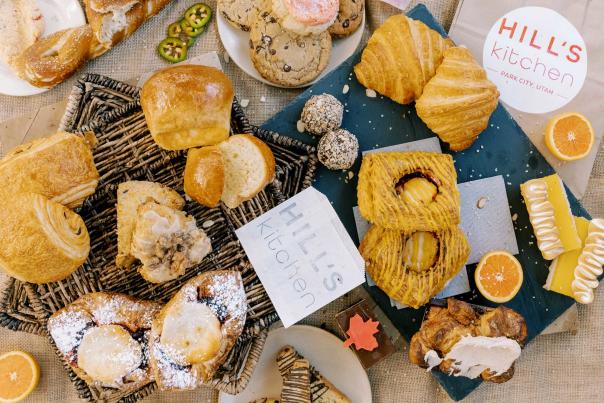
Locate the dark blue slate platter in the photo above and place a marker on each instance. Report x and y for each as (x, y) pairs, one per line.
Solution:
(503, 149)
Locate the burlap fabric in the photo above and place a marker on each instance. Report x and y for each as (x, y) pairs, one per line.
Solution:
(553, 368)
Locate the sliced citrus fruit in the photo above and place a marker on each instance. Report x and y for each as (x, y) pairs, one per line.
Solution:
(569, 136)
(19, 375)
(498, 276)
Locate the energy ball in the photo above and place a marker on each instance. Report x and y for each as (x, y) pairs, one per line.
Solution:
(338, 149)
(321, 114)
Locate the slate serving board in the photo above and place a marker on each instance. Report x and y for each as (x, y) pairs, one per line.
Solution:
(502, 149)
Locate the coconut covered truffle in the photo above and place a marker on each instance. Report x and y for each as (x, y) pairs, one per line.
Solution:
(338, 149)
(321, 114)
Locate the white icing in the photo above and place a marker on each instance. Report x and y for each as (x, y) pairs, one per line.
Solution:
(542, 217)
(589, 267)
(432, 359)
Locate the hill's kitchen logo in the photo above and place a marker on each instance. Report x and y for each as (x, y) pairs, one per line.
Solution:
(537, 59)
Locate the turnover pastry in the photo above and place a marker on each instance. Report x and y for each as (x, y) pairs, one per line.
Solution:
(412, 267)
(103, 337)
(296, 383)
(409, 191)
(194, 332)
(461, 341)
(59, 167)
(400, 58)
(458, 101)
(42, 241)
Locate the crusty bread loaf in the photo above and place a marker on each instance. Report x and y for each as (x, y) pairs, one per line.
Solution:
(188, 106)
(204, 175)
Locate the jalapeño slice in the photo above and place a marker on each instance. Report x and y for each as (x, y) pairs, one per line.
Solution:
(173, 50)
(189, 30)
(198, 15)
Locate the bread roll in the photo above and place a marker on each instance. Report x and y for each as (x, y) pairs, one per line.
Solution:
(59, 167)
(188, 106)
(204, 175)
(42, 241)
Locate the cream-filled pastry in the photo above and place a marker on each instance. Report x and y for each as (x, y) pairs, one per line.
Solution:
(589, 266)
(306, 17)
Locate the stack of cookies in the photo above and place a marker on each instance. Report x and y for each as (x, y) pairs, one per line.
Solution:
(291, 40)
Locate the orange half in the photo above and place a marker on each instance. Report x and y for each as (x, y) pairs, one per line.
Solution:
(19, 376)
(499, 276)
(569, 136)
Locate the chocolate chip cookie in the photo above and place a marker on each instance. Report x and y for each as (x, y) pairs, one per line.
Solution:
(285, 58)
(240, 13)
(349, 17)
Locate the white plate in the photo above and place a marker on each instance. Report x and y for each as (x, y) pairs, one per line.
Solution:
(324, 351)
(58, 15)
(236, 43)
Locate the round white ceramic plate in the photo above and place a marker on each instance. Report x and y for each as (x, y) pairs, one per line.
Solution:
(236, 43)
(324, 351)
(58, 15)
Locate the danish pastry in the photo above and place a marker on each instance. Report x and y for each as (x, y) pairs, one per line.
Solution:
(193, 333)
(411, 267)
(103, 337)
(458, 101)
(409, 191)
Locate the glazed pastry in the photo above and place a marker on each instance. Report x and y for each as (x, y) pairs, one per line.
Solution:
(458, 101)
(550, 216)
(460, 341)
(103, 338)
(59, 167)
(409, 191)
(130, 196)
(400, 58)
(322, 114)
(349, 19)
(412, 267)
(338, 149)
(42, 241)
(22, 24)
(296, 383)
(589, 265)
(188, 106)
(167, 242)
(204, 175)
(305, 17)
(241, 13)
(194, 332)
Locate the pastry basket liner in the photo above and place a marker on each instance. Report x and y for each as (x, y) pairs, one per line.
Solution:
(125, 151)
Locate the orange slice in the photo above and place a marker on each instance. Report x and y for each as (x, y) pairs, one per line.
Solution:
(498, 276)
(19, 375)
(569, 136)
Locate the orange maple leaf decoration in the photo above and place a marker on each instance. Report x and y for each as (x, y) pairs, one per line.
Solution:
(361, 333)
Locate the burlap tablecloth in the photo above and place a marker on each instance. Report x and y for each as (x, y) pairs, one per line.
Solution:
(553, 368)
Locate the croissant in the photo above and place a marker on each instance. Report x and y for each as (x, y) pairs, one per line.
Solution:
(409, 191)
(459, 100)
(411, 267)
(400, 58)
(59, 167)
(42, 241)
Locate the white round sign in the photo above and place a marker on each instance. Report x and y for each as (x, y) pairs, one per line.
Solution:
(537, 59)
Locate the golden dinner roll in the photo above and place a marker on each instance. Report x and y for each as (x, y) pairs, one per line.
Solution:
(204, 175)
(188, 106)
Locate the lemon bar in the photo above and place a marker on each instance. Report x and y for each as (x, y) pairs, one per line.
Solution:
(550, 215)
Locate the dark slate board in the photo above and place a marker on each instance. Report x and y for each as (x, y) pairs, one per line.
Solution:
(503, 149)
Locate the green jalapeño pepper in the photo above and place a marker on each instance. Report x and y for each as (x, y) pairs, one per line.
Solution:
(198, 15)
(189, 30)
(174, 30)
(173, 50)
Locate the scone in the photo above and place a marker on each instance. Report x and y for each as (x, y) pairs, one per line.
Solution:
(240, 13)
(285, 58)
(103, 337)
(349, 19)
(194, 333)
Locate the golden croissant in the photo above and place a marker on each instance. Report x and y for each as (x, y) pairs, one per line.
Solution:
(411, 267)
(400, 58)
(458, 101)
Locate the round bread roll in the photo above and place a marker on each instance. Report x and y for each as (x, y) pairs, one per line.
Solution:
(188, 106)
(204, 175)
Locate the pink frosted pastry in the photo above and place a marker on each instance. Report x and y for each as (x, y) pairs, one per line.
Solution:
(306, 17)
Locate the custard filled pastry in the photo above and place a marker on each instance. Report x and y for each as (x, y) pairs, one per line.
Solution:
(458, 101)
(400, 58)
(103, 337)
(409, 191)
(59, 167)
(194, 333)
(42, 241)
(412, 267)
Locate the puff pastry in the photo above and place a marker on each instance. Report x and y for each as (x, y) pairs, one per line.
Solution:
(42, 241)
(400, 58)
(410, 191)
(458, 101)
(59, 167)
(193, 334)
(103, 337)
(411, 267)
